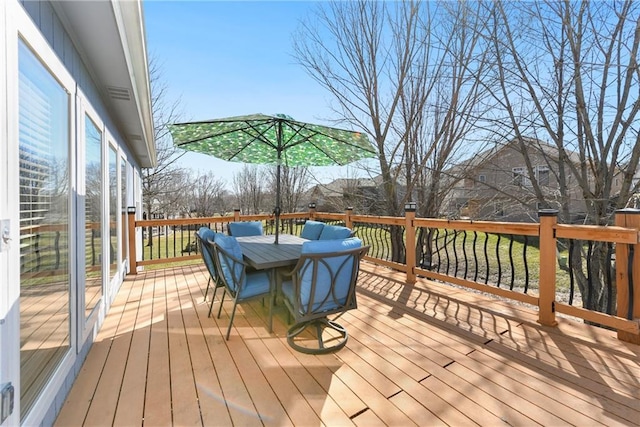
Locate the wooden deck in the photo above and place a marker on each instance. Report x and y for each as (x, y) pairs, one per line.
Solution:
(421, 355)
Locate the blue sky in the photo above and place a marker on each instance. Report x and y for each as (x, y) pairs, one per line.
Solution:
(234, 58)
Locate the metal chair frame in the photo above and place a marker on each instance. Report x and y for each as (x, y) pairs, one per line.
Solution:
(213, 271)
(230, 262)
(312, 314)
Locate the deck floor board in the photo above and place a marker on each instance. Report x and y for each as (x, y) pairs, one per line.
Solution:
(423, 354)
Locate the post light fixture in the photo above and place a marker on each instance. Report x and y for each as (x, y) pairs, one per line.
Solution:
(131, 209)
(410, 206)
(312, 205)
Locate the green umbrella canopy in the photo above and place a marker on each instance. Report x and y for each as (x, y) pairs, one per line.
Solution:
(262, 139)
(278, 139)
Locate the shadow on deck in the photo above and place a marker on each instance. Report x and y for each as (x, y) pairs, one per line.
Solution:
(426, 354)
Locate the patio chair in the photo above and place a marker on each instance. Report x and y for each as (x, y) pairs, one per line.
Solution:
(335, 232)
(245, 228)
(312, 230)
(323, 283)
(203, 235)
(240, 284)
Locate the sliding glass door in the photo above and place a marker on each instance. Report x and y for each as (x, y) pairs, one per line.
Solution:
(45, 213)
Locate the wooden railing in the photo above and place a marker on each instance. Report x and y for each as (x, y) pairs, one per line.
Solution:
(492, 257)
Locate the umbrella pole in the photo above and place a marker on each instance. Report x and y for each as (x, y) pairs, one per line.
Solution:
(277, 210)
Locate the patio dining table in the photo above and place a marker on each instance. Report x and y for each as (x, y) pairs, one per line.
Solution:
(262, 253)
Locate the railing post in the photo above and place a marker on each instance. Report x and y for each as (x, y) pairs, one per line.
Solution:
(236, 214)
(131, 225)
(547, 278)
(628, 274)
(347, 217)
(312, 211)
(410, 240)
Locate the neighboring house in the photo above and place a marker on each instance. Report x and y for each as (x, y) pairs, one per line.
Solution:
(496, 185)
(359, 193)
(76, 128)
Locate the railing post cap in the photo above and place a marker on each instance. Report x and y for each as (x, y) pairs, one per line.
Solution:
(548, 212)
(349, 208)
(410, 206)
(628, 211)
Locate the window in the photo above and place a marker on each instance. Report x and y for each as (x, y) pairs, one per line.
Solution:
(123, 208)
(482, 178)
(542, 173)
(520, 177)
(44, 137)
(113, 212)
(92, 214)
(498, 209)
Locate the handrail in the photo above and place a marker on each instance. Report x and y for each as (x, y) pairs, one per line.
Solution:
(458, 250)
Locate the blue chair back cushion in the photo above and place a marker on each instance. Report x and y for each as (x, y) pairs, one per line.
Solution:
(231, 271)
(245, 228)
(207, 234)
(335, 266)
(334, 232)
(312, 230)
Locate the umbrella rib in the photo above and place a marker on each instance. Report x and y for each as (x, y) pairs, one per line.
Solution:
(256, 128)
(259, 136)
(316, 133)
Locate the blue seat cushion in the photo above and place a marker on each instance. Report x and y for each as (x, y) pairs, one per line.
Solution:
(257, 283)
(230, 270)
(334, 232)
(333, 267)
(312, 230)
(245, 228)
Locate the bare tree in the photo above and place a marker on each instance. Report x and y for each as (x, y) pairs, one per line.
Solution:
(207, 195)
(294, 181)
(248, 186)
(163, 186)
(567, 72)
(404, 72)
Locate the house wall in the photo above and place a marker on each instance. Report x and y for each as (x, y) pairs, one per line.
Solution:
(491, 192)
(86, 99)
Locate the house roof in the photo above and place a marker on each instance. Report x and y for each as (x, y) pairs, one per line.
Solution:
(336, 187)
(110, 37)
(484, 156)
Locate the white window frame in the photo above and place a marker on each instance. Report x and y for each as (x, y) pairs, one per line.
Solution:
(520, 174)
(18, 24)
(115, 280)
(543, 168)
(88, 323)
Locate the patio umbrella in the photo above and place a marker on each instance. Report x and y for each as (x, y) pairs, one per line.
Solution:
(277, 139)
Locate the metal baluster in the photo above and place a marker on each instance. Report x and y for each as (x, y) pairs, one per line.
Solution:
(455, 252)
(609, 279)
(589, 276)
(446, 250)
(464, 252)
(513, 270)
(475, 256)
(571, 278)
(526, 264)
(498, 260)
(486, 258)
(438, 249)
